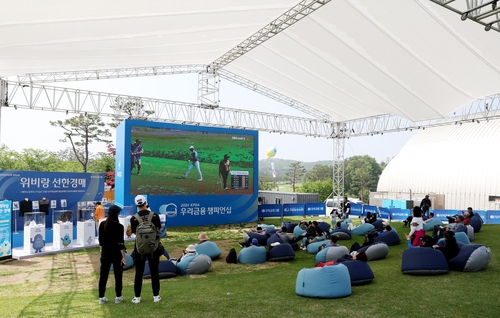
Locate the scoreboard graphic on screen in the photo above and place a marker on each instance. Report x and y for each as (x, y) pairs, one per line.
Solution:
(239, 180)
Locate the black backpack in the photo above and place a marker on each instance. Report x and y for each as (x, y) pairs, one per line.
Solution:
(232, 257)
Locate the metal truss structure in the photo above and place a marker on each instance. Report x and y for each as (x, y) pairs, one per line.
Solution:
(338, 162)
(484, 12)
(208, 89)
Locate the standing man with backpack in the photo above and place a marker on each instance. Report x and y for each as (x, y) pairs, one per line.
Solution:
(146, 226)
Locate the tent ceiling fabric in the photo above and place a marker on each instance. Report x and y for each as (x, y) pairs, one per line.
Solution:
(349, 59)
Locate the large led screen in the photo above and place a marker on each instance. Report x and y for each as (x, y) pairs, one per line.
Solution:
(194, 175)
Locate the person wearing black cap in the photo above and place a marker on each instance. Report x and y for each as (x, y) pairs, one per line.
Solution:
(112, 252)
(137, 151)
(425, 205)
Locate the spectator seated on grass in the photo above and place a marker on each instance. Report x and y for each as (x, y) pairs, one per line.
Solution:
(324, 282)
(423, 261)
(254, 254)
(260, 234)
(471, 258)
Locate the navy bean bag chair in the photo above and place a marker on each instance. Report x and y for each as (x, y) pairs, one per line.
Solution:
(324, 282)
(341, 234)
(253, 255)
(262, 239)
(375, 251)
(297, 231)
(194, 265)
(281, 252)
(325, 227)
(390, 238)
(312, 248)
(476, 222)
(360, 272)
(423, 261)
(379, 224)
(471, 258)
(362, 229)
(273, 239)
(290, 226)
(331, 253)
(166, 269)
(429, 226)
(208, 248)
(129, 260)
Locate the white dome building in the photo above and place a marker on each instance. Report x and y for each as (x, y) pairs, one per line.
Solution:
(458, 165)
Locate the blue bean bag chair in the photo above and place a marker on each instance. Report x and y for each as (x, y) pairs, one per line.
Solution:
(253, 255)
(462, 237)
(476, 222)
(290, 226)
(267, 227)
(325, 227)
(312, 248)
(281, 252)
(129, 260)
(429, 226)
(297, 231)
(379, 224)
(471, 258)
(360, 272)
(262, 239)
(345, 223)
(208, 248)
(194, 265)
(324, 282)
(390, 238)
(362, 229)
(423, 261)
(166, 269)
(341, 234)
(331, 253)
(375, 251)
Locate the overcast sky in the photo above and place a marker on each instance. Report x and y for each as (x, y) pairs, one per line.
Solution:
(21, 129)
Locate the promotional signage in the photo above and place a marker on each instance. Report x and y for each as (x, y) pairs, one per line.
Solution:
(356, 209)
(370, 208)
(293, 209)
(29, 189)
(315, 208)
(270, 210)
(493, 216)
(384, 213)
(442, 214)
(5, 229)
(399, 214)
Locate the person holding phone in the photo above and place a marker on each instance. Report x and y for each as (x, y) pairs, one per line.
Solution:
(112, 252)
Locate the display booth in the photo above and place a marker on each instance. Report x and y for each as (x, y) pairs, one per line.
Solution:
(85, 232)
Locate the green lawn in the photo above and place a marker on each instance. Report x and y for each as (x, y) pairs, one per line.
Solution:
(255, 290)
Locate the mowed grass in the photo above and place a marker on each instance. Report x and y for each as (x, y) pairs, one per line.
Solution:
(267, 289)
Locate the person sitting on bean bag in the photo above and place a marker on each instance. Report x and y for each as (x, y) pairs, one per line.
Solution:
(310, 231)
(370, 218)
(387, 228)
(369, 240)
(189, 251)
(318, 237)
(248, 239)
(450, 249)
(202, 238)
(427, 241)
(283, 235)
(333, 242)
(360, 256)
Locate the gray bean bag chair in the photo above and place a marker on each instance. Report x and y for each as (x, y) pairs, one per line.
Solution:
(423, 261)
(208, 248)
(470, 232)
(471, 258)
(281, 252)
(341, 234)
(331, 253)
(362, 229)
(194, 265)
(375, 251)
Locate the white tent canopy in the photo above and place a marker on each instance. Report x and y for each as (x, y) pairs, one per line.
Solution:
(350, 59)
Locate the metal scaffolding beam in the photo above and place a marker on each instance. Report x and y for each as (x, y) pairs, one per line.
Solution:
(290, 17)
(208, 89)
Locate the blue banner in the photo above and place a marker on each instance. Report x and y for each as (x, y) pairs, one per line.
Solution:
(293, 209)
(270, 210)
(482, 214)
(492, 217)
(442, 214)
(369, 208)
(356, 209)
(73, 187)
(315, 208)
(384, 213)
(5, 229)
(399, 214)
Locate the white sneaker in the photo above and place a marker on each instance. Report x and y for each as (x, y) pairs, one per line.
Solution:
(118, 299)
(156, 298)
(103, 300)
(136, 300)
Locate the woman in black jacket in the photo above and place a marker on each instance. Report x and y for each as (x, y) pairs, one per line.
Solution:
(112, 252)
